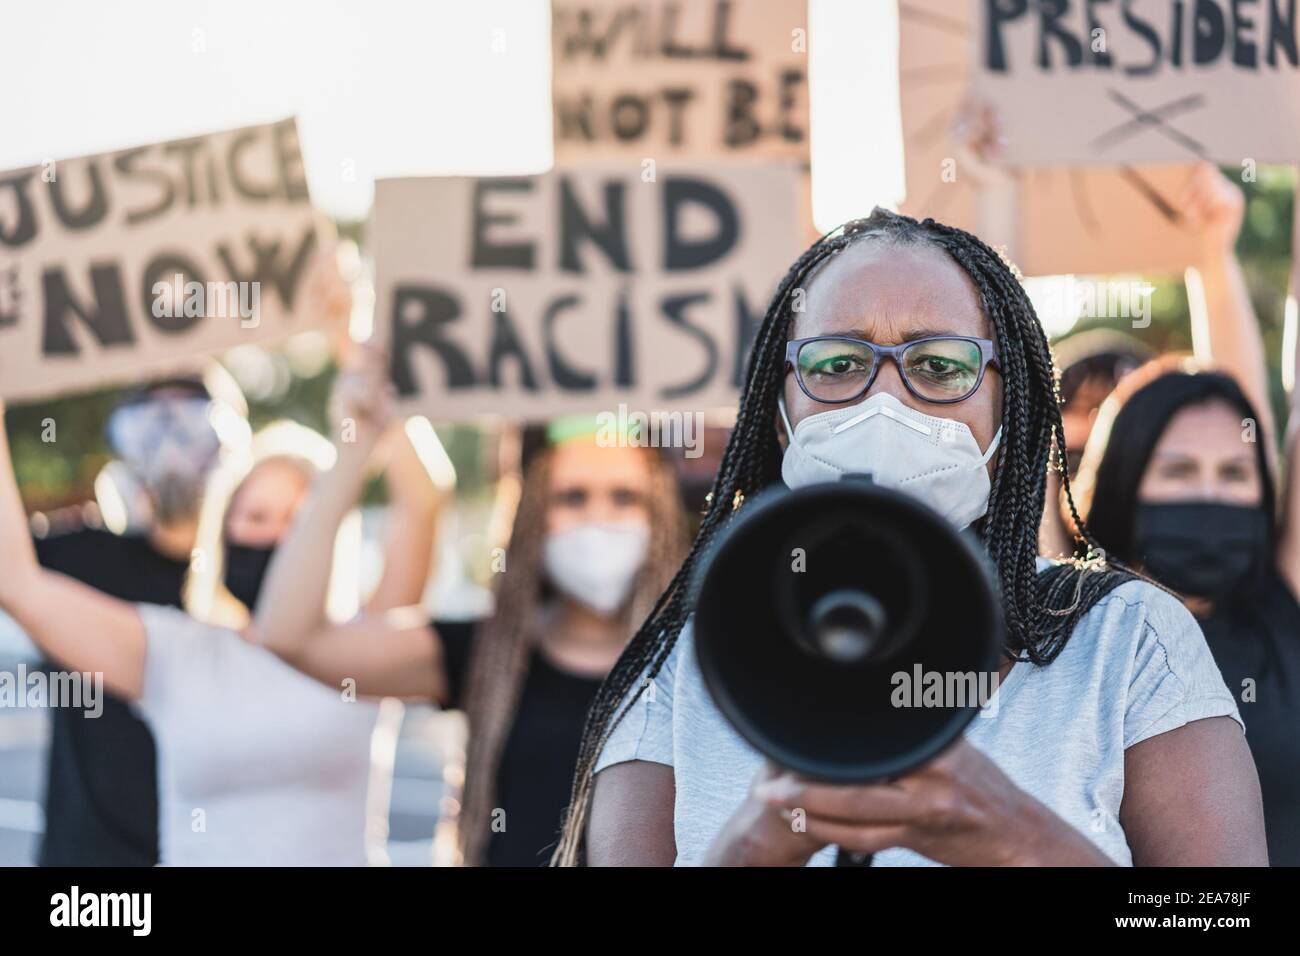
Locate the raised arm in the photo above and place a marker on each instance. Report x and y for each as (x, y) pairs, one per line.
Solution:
(292, 605)
(392, 653)
(73, 624)
(419, 477)
(1225, 330)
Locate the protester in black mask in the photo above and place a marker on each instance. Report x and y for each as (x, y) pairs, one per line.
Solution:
(101, 805)
(257, 765)
(245, 568)
(1176, 481)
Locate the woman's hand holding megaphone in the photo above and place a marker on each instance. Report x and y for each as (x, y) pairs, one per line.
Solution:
(959, 809)
(761, 833)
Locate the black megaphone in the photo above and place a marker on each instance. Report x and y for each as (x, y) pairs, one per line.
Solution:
(818, 609)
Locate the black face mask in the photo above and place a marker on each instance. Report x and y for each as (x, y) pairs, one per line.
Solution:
(1201, 548)
(245, 572)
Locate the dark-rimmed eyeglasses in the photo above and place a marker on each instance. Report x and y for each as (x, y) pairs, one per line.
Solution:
(834, 369)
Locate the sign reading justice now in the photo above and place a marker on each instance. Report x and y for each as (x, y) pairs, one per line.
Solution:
(123, 265)
(1081, 81)
(579, 289)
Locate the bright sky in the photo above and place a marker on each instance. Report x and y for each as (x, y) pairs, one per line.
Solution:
(385, 87)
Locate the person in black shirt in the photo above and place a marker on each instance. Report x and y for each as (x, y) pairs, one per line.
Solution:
(596, 537)
(535, 767)
(1176, 482)
(1178, 479)
(101, 791)
(101, 794)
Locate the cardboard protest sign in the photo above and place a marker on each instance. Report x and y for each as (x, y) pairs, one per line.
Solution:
(663, 78)
(578, 290)
(1051, 220)
(1145, 81)
(128, 264)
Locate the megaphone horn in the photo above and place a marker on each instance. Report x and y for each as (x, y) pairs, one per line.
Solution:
(814, 604)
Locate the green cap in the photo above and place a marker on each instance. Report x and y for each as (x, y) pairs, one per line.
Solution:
(570, 427)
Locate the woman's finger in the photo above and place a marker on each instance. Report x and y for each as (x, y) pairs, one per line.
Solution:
(858, 838)
(876, 803)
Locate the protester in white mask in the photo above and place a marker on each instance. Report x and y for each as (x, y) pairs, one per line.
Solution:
(935, 459)
(596, 563)
(909, 351)
(597, 534)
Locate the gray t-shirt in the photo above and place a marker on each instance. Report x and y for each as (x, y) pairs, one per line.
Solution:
(1136, 666)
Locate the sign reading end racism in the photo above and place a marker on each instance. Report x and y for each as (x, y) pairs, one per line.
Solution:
(580, 289)
(126, 264)
(1143, 81)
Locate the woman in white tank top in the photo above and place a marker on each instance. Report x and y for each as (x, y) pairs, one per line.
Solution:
(258, 764)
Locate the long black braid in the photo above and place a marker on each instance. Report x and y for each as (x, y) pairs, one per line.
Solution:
(1041, 610)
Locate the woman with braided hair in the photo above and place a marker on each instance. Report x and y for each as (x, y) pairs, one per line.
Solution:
(597, 534)
(567, 602)
(1114, 739)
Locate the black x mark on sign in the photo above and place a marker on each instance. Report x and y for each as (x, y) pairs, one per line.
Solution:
(1153, 119)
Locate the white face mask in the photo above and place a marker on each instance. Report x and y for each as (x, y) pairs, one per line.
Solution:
(596, 563)
(936, 460)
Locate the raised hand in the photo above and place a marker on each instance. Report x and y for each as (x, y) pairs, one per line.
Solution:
(1212, 206)
(327, 295)
(362, 403)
